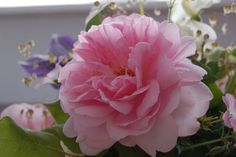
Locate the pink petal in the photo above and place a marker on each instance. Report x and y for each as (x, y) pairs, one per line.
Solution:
(149, 100)
(169, 100)
(93, 109)
(127, 142)
(68, 128)
(123, 107)
(189, 72)
(229, 102)
(226, 118)
(162, 137)
(149, 65)
(87, 121)
(167, 75)
(96, 137)
(185, 48)
(170, 31)
(91, 151)
(194, 103)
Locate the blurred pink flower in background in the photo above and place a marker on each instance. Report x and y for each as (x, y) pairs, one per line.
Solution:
(133, 84)
(229, 116)
(35, 117)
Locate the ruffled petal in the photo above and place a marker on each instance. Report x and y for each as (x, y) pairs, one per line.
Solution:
(162, 137)
(194, 103)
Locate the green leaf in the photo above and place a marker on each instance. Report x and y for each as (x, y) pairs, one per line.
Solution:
(57, 112)
(231, 84)
(69, 142)
(18, 142)
(216, 103)
(209, 78)
(216, 55)
(94, 17)
(214, 71)
(217, 71)
(111, 152)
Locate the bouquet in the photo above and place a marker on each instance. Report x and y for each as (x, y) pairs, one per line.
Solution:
(130, 86)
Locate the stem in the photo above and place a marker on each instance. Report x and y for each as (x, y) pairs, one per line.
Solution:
(208, 142)
(216, 121)
(202, 49)
(227, 64)
(71, 155)
(171, 4)
(141, 9)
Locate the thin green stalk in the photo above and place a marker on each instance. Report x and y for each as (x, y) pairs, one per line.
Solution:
(216, 121)
(141, 9)
(71, 155)
(171, 4)
(208, 142)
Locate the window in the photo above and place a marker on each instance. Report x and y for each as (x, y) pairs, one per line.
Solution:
(35, 3)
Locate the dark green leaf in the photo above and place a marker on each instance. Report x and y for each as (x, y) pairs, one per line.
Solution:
(214, 71)
(112, 152)
(210, 77)
(172, 153)
(18, 142)
(216, 102)
(130, 151)
(216, 55)
(57, 112)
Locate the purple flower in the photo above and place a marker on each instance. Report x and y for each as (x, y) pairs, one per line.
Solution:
(61, 45)
(38, 65)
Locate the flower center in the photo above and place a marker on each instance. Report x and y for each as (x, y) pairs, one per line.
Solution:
(124, 71)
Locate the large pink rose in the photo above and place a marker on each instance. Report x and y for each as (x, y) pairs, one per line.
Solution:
(35, 117)
(132, 83)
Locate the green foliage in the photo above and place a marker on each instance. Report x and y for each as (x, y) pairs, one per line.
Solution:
(130, 151)
(216, 55)
(216, 103)
(118, 150)
(214, 71)
(18, 142)
(94, 18)
(172, 153)
(69, 142)
(231, 84)
(57, 112)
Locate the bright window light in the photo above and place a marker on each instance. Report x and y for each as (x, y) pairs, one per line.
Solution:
(33, 3)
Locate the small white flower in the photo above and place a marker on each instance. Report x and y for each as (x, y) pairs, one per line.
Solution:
(183, 14)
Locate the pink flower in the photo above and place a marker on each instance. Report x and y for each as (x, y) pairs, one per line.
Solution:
(229, 116)
(134, 84)
(35, 117)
